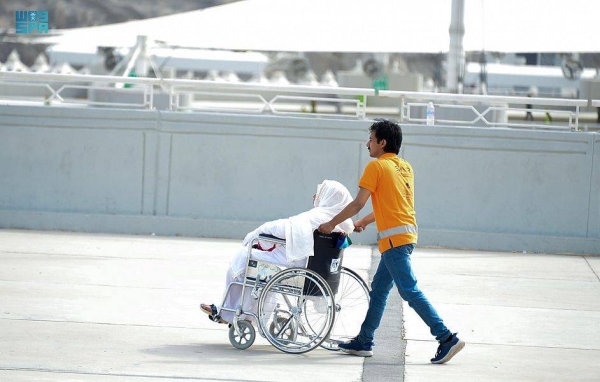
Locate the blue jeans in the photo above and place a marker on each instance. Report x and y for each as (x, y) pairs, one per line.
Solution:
(395, 267)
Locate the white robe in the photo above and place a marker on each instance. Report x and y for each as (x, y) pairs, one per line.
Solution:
(331, 198)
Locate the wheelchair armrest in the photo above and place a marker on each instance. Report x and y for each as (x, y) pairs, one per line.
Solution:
(271, 238)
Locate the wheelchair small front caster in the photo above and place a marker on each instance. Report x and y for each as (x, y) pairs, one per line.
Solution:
(246, 337)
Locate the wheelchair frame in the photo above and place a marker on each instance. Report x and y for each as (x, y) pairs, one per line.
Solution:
(296, 306)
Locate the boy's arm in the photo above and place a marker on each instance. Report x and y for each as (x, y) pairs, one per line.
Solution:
(362, 223)
(351, 209)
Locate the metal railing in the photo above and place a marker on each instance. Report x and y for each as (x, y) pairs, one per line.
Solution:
(309, 101)
(568, 109)
(145, 91)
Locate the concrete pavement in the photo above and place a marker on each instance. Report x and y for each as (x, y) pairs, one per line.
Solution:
(87, 307)
(92, 307)
(525, 317)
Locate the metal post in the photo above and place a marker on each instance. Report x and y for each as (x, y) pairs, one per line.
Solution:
(456, 55)
(141, 64)
(361, 112)
(402, 106)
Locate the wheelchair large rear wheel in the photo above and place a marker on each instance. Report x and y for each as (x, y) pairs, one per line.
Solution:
(296, 310)
(351, 305)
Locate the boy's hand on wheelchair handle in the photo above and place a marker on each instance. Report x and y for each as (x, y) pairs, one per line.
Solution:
(358, 227)
(326, 228)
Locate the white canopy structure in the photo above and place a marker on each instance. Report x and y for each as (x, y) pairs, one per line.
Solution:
(382, 26)
(189, 59)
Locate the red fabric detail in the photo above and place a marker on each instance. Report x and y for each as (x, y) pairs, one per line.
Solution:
(258, 246)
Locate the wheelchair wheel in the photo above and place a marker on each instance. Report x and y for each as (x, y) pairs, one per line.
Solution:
(244, 340)
(296, 306)
(351, 305)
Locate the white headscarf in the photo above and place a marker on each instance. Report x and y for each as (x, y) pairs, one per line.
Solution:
(332, 195)
(331, 198)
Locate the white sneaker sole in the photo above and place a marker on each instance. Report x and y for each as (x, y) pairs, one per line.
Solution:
(360, 353)
(453, 351)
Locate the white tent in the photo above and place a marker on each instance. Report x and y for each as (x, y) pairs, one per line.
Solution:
(84, 54)
(404, 26)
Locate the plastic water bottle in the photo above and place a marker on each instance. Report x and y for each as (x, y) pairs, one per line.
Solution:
(430, 114)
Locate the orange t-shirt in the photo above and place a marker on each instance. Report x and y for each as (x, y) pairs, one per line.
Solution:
(391, 182)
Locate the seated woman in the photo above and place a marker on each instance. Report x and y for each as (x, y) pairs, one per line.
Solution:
(331, 198)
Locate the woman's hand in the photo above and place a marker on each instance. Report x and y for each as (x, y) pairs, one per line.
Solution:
(249, 237)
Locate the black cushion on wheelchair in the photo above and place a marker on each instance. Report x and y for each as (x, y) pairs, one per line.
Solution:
(268, 236)
(327, 261)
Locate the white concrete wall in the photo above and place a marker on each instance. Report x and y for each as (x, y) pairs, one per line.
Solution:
(507, 189)
(220, 175)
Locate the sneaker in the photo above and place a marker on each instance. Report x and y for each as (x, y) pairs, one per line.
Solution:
(356, 348)
(448, 349)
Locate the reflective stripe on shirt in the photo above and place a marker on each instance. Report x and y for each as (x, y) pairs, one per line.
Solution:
(396, 231)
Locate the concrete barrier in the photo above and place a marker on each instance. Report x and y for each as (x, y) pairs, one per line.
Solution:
(220, 175)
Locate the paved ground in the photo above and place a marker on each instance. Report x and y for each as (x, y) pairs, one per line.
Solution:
(82, 307)
(525, 317)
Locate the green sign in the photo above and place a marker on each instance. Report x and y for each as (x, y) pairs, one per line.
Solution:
(131, 74)
(381, 83)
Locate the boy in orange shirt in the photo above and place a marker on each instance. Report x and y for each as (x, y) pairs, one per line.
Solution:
(389, 181)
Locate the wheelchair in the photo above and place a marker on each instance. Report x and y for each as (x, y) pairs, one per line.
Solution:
(300, 309)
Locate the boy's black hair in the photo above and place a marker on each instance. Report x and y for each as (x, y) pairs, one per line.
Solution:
(390, 131)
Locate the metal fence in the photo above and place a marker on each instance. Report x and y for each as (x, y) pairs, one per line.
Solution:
(308, 101)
